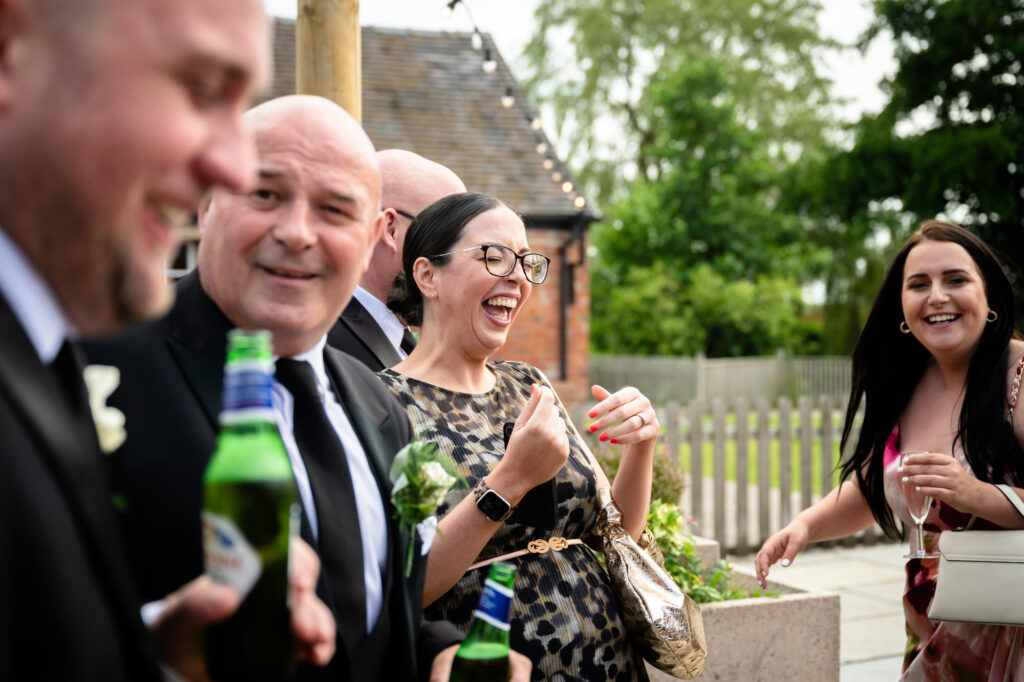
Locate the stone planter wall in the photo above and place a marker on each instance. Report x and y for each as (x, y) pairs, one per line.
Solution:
(794, 636)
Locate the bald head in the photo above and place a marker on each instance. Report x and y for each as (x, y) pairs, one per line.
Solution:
(409, 184)
(287, 255)
(308, 126)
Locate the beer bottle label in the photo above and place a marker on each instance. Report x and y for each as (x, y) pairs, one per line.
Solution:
(227, 555)
(494, 605)
(248, 386)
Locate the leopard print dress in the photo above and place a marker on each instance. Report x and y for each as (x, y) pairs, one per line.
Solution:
(564, 615)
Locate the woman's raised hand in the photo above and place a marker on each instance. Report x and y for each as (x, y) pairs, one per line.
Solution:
(539, 444)
(627, 415)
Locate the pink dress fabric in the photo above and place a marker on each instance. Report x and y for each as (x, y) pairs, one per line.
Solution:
(941, 651)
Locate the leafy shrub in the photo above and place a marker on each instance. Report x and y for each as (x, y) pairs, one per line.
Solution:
(667, 483)
(682, 563)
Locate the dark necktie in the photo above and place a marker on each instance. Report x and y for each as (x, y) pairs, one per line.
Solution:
(340, 544)
(67, 369)
(408, 341)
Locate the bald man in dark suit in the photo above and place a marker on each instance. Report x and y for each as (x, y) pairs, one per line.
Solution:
(367, 330)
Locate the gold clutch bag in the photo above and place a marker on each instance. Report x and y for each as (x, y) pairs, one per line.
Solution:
(663, 623)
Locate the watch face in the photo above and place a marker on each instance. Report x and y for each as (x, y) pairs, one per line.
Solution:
(492, 505)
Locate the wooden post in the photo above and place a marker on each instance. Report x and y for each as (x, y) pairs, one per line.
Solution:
(764, 470)
(742, 411)
(697, 468)
(718, 410)
(785, 461)
(328, 53)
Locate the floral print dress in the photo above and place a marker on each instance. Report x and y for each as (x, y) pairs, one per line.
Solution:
(945, 651)
(564, 615)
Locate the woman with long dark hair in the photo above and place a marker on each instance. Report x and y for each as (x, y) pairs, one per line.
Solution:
(467, 273)
(938, 369)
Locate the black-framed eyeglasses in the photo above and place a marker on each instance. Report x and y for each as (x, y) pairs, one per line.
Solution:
(500, 261)
(404, 214)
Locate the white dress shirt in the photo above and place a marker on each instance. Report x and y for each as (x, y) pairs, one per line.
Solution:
(32, 301)
(369, 504)
(382, 315)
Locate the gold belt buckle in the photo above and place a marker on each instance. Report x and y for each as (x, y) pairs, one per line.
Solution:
(541, 546)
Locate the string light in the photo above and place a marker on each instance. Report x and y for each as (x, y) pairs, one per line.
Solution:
(508, 100)
(489, 64)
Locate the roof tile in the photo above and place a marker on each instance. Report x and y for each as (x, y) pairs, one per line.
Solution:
(425, 91)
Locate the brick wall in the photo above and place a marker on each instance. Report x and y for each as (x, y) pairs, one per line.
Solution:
(535, 336)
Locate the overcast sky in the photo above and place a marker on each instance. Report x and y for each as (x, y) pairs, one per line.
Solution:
(511, 25)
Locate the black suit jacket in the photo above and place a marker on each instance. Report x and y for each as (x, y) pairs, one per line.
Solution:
(170, 392)
(68, 610)
(359, 335)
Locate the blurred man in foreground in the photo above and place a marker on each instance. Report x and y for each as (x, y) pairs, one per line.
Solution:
(114, 118)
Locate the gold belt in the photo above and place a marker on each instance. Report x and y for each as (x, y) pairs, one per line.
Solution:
(538, 546)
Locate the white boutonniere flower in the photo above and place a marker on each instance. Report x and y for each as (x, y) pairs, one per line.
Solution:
(102, 380)
(420, 480)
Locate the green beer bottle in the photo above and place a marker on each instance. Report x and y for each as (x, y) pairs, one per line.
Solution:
(250, 512)
(483, 655)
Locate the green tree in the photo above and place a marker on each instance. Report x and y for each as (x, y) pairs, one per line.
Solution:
(594, 62)
(948, 143)
(701, 259)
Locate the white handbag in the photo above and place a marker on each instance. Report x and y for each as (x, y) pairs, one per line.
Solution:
(981, 573)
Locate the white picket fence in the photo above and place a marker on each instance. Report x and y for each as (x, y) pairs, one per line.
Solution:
(794, 444)
(685, 379)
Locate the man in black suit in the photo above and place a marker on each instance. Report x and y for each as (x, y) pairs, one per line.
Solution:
(114, 117)
(367, 329)
(284, 257)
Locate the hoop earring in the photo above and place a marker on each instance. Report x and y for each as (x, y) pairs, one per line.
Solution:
(904, 328)
(992, 316)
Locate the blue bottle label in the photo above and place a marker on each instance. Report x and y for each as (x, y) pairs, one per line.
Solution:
(248, 388)
(495, 603)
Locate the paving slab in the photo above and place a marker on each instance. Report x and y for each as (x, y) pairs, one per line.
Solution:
(889, 553)
(878, 670)
(835, 573)
(870, 582)
(888, 592)
(873, 637)
(854, 606)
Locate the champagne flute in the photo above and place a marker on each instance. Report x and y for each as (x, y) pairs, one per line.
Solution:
(918, 505)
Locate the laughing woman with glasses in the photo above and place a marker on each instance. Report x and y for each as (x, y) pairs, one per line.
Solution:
(467, 272)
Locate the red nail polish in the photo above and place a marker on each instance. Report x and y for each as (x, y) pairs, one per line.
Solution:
(593, 427)
(592, 414)
(615, 440)
(603, 437)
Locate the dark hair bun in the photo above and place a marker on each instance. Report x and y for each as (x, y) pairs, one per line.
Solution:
(406, 300)
(435, 230)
